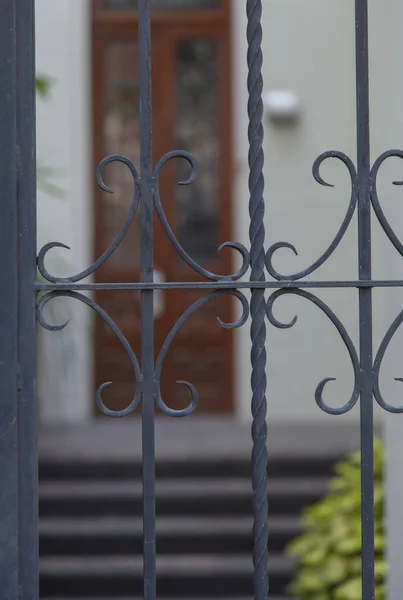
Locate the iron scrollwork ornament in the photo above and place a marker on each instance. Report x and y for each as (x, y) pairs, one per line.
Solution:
(383, 221)
(344, 336)
(166, 346)
(119, 335)
(116, 158)
(191, 160)
(342, 230)
(378, 363)
(387, 228)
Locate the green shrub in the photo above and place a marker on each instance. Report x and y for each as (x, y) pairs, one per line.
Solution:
(328, 553)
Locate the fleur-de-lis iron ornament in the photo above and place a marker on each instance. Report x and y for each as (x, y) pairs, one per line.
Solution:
(257, 260)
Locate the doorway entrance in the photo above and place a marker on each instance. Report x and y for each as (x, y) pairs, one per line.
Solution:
(191, 105)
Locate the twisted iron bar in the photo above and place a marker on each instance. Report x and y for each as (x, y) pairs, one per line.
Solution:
(258, 325)
(344, 335)
(167, 344)
(343, 228)
(43, 301)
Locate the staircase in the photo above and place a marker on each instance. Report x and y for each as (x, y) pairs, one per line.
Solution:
(91, 526)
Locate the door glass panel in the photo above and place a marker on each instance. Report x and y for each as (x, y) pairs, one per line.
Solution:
(163, 4)
(197, 131)
(121, 134)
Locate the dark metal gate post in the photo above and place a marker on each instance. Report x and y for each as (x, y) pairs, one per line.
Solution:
(18, 460)
(9, 514)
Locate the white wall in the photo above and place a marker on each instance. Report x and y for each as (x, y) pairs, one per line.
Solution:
(63, 53)
(309, 50)
(387, 117)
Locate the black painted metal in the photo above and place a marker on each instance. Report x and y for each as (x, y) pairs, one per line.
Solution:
(257, 306)
(18, 496)
(18, 460)
(26, 203)
(8, 301)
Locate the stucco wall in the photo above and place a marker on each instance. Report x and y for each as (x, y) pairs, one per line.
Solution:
(309, 50)
(63, 53)
(387, 118)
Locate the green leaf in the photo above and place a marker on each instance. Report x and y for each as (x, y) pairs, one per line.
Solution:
(335, 570)
(380, 592)
(379, 543)
(352, 590)
(349, 546)
(355, 566)
(381, 570)
(309, 583)
(43, 86)
(314, 557)
(300, 545)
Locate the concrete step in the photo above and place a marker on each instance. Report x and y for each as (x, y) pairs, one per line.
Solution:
(281, 466)
(178, 576)
(175, 598)
(124, 535)
(91, 508)
(175, 497)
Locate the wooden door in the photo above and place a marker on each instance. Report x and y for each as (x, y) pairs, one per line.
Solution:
(191, 112)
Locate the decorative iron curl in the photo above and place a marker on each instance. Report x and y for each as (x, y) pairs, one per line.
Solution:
(344, 335)
(340, 234)
(168, 341)
(378, 363)
(375, 199)
(118, 239)
(170, 234)
(125, 344)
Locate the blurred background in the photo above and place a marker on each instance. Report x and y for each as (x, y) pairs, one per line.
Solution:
(87, 53)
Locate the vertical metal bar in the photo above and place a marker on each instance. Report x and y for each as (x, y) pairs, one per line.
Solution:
(26, 199)
(365, 298)
(147, 302)
(258, 326)
(9, 507)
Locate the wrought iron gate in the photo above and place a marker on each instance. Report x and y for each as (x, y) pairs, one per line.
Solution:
(19, 306)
